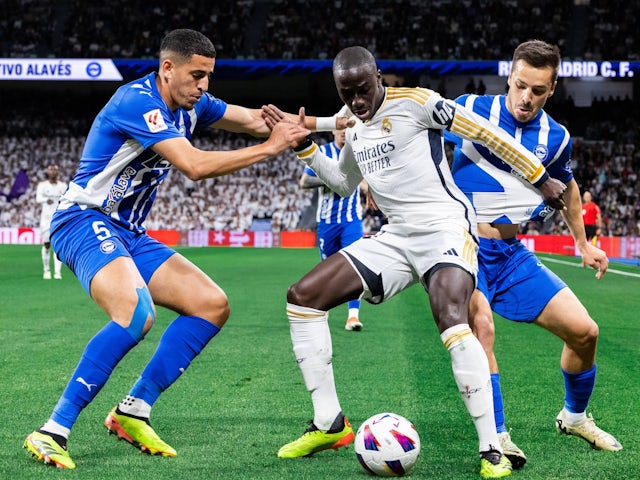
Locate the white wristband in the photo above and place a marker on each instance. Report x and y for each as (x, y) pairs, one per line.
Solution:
(325, 124)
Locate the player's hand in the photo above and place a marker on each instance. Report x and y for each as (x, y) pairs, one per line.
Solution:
(272, 115)
(552, 190)
(344, 122)
(595, 258)
(370, 203)
(286, 135)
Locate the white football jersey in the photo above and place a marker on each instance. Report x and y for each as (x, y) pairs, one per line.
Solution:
(46, 191)
(400, 152)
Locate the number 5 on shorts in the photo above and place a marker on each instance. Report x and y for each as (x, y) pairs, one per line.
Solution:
(101, 231)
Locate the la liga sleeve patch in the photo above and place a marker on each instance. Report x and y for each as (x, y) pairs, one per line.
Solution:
(154, 120)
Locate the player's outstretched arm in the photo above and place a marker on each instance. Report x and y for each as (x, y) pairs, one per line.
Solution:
(243, 120)
(273, 115)
(591, 255)
(198, 164)
(471, 126)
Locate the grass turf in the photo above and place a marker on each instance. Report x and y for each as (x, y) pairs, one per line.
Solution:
(244, 396)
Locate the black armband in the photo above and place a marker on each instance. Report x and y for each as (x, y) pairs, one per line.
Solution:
(304, 145)
(543, 179)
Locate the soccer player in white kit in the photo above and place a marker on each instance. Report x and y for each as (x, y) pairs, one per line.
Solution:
(47, 194)
(430, 238)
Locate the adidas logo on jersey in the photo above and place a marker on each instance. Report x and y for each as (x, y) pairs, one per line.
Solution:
(452, 251)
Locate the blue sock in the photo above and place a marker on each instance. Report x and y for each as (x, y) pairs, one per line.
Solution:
(183, 339)
(578, 388)
(498, 405)
(354, 304)
(100, 356)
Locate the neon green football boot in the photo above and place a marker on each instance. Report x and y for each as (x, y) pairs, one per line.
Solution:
(45, 449)
(138, 433)
(314, 440)
(494, 464)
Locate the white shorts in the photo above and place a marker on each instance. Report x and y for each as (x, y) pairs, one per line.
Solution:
(399, 256)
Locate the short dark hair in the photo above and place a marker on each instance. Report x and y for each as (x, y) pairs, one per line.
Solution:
(538, 54)
(185, 43)
(353, 57)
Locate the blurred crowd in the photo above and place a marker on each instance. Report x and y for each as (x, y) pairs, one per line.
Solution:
(268, 192)
(606, 135)
(317, 29)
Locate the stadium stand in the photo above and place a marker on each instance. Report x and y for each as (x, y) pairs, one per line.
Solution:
(269, 190)
(316, 29)
(43, 126)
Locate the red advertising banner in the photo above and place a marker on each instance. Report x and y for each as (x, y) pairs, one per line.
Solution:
(168, 237)
(615, 247)
(560, 244)
(298, 239)
(20, 236)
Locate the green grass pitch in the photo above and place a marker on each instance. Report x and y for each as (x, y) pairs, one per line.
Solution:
(244, 396)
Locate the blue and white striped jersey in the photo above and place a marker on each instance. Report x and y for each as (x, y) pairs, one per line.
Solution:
(119, 173)
(498, 193)
(332, 208)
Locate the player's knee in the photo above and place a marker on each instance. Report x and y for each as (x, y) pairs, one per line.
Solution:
(481, 323)
(144, 315)
(448, 314)
(292, 295)
(450, 292)
(224, 310)
(217, 309)
(588, 337)
(298, 295)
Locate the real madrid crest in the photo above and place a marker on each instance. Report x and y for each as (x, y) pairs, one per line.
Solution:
(386, 126)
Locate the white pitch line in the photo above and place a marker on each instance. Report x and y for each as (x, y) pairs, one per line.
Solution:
(609, 270)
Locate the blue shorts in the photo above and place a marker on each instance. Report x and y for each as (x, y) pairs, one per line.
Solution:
(334, 236)
(517, 285)
(88, 240)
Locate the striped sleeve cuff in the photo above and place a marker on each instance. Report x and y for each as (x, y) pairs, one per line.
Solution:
(538, 183)
(306, 150)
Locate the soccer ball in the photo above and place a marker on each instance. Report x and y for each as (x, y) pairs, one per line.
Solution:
(387, 445)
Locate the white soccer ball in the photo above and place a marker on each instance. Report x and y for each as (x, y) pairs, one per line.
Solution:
(387, 445)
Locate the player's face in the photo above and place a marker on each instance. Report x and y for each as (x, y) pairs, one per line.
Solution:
(360, 89)
(529, 89)
(52, 172)
(189, 81)
(339, 136)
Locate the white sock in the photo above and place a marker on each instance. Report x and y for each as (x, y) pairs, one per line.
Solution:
(56, 428)
(354, 313)
(135, 406)
(471, 371)
(57, 265)
(45, 259)
(574, 418)
(311, 339)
